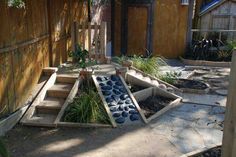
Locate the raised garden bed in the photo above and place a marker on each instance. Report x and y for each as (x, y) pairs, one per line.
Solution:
(192, 86)
(86, 109)
(154, 102)
(138, 77)
(118, 100)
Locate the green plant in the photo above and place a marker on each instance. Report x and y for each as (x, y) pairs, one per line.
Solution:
(87, 107)
(119, 60)
(170, 77)
(148, 65)
(3, 150)
(16, 3)
(79, 55)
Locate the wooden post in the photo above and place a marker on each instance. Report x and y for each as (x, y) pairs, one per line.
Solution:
(229, 136)
(103, 41)
(50, 33)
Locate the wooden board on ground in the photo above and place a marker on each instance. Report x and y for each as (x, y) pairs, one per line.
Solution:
(104, 102)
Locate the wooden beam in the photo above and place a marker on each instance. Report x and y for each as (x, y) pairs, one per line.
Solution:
(229, 136)
(23, 44)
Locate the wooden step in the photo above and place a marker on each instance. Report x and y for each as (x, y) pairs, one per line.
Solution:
(66, 79)
(59, 90)
(46, 120)
(50, 106)
(49, 70)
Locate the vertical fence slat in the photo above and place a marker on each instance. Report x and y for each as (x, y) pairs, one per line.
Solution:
(77, 36)
(83, 35)
(89, 39)
(73, 35)
(96, 41)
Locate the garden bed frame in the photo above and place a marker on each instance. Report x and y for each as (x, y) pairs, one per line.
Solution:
(154, 78)
(69, 100)
(144, 94)
(106, 105)
(205, 63)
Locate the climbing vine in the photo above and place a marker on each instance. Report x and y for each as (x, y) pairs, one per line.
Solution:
(16, 3)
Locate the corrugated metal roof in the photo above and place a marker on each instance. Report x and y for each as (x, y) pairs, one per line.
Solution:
(210, 6)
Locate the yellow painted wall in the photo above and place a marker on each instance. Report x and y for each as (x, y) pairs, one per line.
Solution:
(169, 28)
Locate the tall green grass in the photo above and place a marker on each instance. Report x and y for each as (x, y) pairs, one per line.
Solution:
(147, 65)
(87, 107)
(3, 149)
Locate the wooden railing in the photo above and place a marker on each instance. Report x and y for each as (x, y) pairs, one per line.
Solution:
(92, 37)
(220, 31)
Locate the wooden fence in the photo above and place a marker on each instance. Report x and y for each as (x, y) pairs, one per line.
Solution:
(91, 37)
(32, 38)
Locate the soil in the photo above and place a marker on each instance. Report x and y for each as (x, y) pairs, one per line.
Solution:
(192, 84)
(153, 104)
(214, 152)
(135, 88)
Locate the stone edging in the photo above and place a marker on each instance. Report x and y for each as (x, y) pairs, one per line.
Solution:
(204, 63)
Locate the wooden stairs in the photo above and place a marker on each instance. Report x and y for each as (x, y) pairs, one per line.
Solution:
(47, 105)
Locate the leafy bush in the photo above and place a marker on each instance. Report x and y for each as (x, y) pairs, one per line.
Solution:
(16, 3)
(211, 50)
(79, 55)
(87, 107)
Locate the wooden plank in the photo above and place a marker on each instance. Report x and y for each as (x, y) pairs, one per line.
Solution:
(83, 35)
(89, 39)
(229, 135)
(133, 100)
(73, 35)
(83, 125)
(104, 102)
(23, 44)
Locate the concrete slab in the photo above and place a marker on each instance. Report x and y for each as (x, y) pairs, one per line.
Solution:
(208, 99)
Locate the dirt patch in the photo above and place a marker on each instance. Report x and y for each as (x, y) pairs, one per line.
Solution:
(191, 84)
(153, 104)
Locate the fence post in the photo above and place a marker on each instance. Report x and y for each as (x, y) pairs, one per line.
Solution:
(103, 38)
(229, 136)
